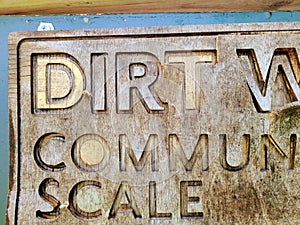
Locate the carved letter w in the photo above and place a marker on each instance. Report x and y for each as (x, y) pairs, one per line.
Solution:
(260, 82)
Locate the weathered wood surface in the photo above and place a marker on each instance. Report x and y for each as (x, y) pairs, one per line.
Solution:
(38, 7)
(162, 125)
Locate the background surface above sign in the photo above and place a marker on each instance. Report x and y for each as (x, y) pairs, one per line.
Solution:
(31, 7)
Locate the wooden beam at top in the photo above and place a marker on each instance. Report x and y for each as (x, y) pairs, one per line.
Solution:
(40, 7)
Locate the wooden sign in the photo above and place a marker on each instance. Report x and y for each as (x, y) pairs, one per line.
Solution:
(157, 125)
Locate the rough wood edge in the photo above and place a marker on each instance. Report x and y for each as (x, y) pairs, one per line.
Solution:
(166, 30)
(13, 125)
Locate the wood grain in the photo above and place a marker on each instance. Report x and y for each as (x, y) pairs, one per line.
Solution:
(34, 7)
(198, 141)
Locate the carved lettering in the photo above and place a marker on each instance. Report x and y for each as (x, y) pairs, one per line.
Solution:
(176, 152)
(137, 71)
(284, 61)
(153, 206)
(131, 206)
(37, 152)
(90, 153)
(73, 204)
(58, 81)
(49, 198)
(185, 199)
(98, 82)
(151, 148)
(190, 59)
(245, 153)
(293, 145)
(268, 143)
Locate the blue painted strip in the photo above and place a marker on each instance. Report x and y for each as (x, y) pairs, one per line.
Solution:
(66, 22)
(63, 22)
